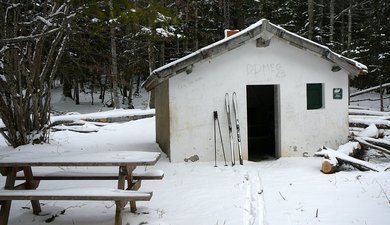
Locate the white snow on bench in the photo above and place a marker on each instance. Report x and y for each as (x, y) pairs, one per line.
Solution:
(138, 175)
(83, 193)
(45, 158)
(149, 173)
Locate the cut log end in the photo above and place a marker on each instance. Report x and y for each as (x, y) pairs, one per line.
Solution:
(328, 167)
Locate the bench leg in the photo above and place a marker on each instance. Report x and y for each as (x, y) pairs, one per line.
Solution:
(6, 205)
(130, 186)
(121, 186)
(133, 207)
(4, 212)
(31, 184)
(119, 213)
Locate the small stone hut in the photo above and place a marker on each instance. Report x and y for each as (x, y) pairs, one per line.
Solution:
(292, 96)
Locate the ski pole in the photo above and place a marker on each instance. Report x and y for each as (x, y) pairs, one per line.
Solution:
(220, 135)
(215, 139)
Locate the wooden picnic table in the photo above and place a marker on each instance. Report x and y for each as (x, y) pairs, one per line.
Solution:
(126, 161)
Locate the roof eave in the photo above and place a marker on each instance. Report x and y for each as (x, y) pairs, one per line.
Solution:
(303, 43)
(163, 73)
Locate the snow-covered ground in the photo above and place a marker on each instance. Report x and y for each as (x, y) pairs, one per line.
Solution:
(275, 192)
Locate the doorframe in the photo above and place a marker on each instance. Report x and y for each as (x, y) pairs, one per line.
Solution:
(277, 119)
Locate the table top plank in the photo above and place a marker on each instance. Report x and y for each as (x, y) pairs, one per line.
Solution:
(81, 193)
(72, 158)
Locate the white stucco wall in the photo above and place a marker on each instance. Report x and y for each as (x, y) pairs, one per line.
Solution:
(193, 98)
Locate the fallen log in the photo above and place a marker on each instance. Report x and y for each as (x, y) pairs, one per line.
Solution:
(353, 149)
(85, 131)
(104, 118)
(334, 159)
(369, 90)
(358, 107)
(379, 142)
(381, 124)
(370, 142)
(364, 112)
(328, 167)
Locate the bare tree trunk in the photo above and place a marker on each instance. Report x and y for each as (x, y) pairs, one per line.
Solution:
(103, 84)
(321, 20)
(76, 92)
(381, 90)
(349, 38)
(187, 21)
(311, 18)
(162, 53)
(196, 32)
(226, 13)
(92, 89)
(342, 40)
(152, 66)
(130, 97)
(114, 60)
(331, 26)
(125, 87)
(137, 88)
(67, 86)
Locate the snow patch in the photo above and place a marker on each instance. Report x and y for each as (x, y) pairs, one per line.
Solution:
(371, 131)
(164, 33)
(108, 114)
(348, 148)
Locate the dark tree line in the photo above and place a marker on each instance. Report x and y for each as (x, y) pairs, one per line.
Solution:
(110, 46)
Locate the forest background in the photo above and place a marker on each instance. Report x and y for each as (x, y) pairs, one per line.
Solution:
(111, 46)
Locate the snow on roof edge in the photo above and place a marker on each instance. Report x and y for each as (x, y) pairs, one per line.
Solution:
(208, 47)
(155, 73)
(156, 76)
(280, 31)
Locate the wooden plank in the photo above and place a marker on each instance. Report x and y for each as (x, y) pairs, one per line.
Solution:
(110, 158)
(64, 175)
(149, 175)
(71, 177)
(72, 194)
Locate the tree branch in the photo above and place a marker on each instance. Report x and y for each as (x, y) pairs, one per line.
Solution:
(27, 38)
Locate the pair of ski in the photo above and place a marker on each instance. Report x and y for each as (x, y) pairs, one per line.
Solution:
(231, 140)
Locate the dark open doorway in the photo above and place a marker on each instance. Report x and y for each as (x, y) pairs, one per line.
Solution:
(261, 121)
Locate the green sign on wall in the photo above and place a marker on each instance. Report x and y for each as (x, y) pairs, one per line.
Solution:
(337, 93)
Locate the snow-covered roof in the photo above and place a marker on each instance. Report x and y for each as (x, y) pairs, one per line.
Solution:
(254, 31)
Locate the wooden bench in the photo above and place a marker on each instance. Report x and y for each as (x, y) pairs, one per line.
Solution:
(19, 165)
(62, 175)
(121, 197)
(82, 194)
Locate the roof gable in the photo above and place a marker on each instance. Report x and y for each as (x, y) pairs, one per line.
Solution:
(259, 31)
